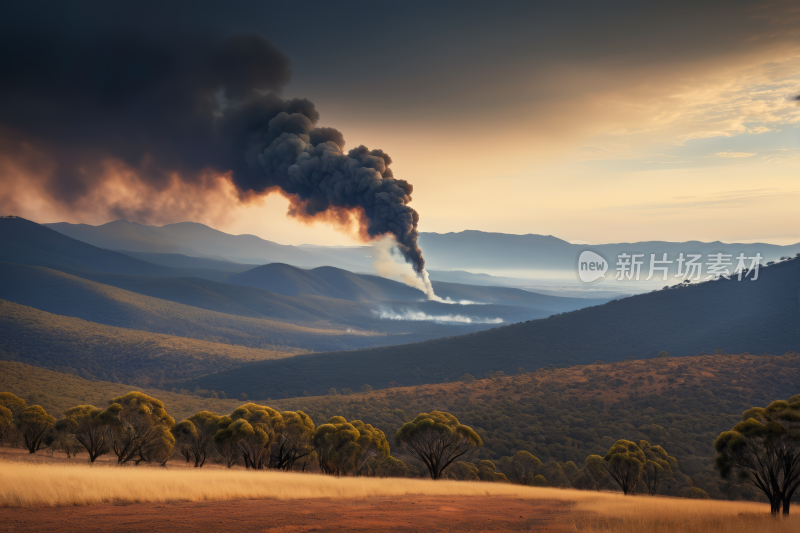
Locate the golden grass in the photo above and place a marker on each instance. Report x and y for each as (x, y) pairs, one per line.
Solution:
(614, 513)
(35, 485)
(46, 485)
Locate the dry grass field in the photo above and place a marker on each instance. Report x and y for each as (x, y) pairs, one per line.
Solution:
(34, 495)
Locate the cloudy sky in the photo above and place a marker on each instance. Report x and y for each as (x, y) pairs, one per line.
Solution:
(591, 121)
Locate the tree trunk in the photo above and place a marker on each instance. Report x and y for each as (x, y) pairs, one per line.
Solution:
(787, 499)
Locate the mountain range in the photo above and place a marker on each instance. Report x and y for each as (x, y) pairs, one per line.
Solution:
(73, 306)
(276, 307)
(530, 256)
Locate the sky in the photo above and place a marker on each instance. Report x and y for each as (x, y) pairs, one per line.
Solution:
(593, 122)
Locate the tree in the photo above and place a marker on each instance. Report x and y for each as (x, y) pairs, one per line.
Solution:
(657, 466)
(463, 471)
(595, 471)
(624, 463)
(12, 402)
(195, 436)
(764, 451)
(6, 421)
(226, 448)
(11, 405)
(663, 354)
(387, 467)
(292, 439)
(88, 425)
(571, 471)
(488, 472)
(437, 439)
(34, 424)
(251, 431)
(346, 447)
(65, 441)
(522, 467)
(555, 474)
(139, 429)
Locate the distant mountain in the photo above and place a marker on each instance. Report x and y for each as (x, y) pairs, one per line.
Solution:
(25, 242)
(484, 251)
(736, 316)
(199, 240)
(454, 257)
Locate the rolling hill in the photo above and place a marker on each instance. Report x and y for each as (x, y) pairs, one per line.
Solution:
(29, 243)
(194, 307)
(26, 242)
(64, 294)
(96, 351)
(747, 316)
(337, 283)
(324, 281)
(185, 261)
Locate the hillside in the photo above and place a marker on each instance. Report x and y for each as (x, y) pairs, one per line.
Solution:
(63, 294)
(337, 283)
(324, 281)
(28, 243)
(57, 391)
(96, 351)
(761, 316)
(185, 261)
(560, 414)
(222, 312)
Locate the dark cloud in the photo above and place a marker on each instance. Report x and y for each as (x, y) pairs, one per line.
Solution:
(182, 104)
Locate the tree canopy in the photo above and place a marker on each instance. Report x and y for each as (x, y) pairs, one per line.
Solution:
(347, 447)
(139, 428)
(624, 463)
(195, 435)
(251, 431)
(294, 432)
(437, 439)
(657, 467)
(34, 424)
(764, 450)
(89, 426)
(12, 402)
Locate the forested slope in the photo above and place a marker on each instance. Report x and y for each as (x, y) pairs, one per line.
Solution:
(737, 316)
(97, 351)
(64, 294)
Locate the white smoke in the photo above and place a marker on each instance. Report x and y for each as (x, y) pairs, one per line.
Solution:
(408, 314)
(388, 266)
(449, 300)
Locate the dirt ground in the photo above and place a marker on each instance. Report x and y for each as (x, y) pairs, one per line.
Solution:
(407, 514)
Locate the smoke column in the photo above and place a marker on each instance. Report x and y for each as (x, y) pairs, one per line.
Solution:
(173, 109)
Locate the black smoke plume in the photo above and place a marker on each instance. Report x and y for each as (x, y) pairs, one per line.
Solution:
(185, 104)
